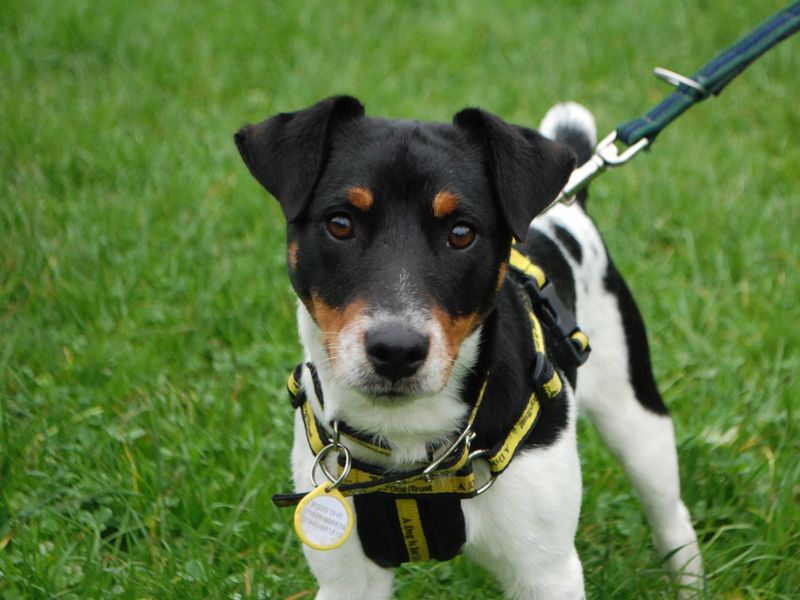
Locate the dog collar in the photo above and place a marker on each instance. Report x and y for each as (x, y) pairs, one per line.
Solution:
(451, 473)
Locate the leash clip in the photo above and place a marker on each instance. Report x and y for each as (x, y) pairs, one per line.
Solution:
(605, 155)
(676, 79)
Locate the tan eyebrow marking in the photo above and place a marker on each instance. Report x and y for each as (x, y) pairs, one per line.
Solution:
(444, 204)
(360, 197)
(292, 252)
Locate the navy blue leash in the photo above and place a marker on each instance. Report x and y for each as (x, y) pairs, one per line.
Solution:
(708, 81)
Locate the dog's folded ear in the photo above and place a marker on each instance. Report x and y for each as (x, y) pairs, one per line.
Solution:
(286, 153)
(527, 169)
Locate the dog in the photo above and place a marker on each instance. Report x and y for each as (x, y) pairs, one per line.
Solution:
(398, 242)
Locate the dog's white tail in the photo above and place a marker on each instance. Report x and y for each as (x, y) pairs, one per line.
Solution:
(572, 124)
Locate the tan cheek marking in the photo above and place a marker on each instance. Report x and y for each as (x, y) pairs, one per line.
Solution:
(292, 253)
(360, 197)
(332, 320)
(445, 203)
(456, 329)
(501, 276)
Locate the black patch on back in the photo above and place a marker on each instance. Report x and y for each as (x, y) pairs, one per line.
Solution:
(570, 243)
(640, 371)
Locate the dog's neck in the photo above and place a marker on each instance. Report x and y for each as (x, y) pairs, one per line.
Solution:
(410, 426)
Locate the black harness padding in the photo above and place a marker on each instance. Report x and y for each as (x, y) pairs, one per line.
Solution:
(381, 530)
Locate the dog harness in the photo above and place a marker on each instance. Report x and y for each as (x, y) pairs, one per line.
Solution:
(415, 515)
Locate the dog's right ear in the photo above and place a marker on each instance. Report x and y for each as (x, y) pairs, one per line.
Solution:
(527, 169)
(286, 153)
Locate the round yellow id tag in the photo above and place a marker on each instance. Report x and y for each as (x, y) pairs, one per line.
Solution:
(323, 519)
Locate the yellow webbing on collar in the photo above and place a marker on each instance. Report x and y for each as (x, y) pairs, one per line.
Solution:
(443, 481)
(418, 486)
(293, 385)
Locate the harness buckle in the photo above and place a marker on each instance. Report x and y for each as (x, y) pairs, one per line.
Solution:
(559, 321)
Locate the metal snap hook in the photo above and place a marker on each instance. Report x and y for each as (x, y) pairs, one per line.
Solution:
(467, 434)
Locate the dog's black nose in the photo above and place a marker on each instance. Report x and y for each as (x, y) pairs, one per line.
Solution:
(396, 349)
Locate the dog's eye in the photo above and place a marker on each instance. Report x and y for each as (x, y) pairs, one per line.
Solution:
(461, 236)
(341, 227)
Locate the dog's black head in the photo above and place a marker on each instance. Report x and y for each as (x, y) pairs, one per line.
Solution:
(399, 231)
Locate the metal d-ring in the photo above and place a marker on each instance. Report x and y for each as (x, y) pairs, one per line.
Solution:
(335, 481)
(492, 478)
(467, 434)
(676, 79)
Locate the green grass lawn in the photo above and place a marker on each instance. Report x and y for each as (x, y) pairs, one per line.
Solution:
(147, 323)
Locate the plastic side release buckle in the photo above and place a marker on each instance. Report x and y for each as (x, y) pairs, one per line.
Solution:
(559, 321)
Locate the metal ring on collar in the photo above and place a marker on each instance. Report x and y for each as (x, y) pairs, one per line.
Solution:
(492, 478)
(335, 481)
(467, 434)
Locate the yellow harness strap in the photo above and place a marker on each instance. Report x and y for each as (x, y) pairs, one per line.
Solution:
(571, 343)
(523, 264)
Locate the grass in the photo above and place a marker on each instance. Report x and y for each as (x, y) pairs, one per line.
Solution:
(146, 321)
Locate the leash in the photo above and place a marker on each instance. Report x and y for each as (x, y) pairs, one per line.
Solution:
(639, 134)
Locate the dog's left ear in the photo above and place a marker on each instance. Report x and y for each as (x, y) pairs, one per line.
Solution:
(527, 169)
(286, 153)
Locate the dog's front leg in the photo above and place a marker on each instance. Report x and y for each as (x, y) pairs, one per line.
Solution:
(523, 528)
(347, 574)
(344, 573)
